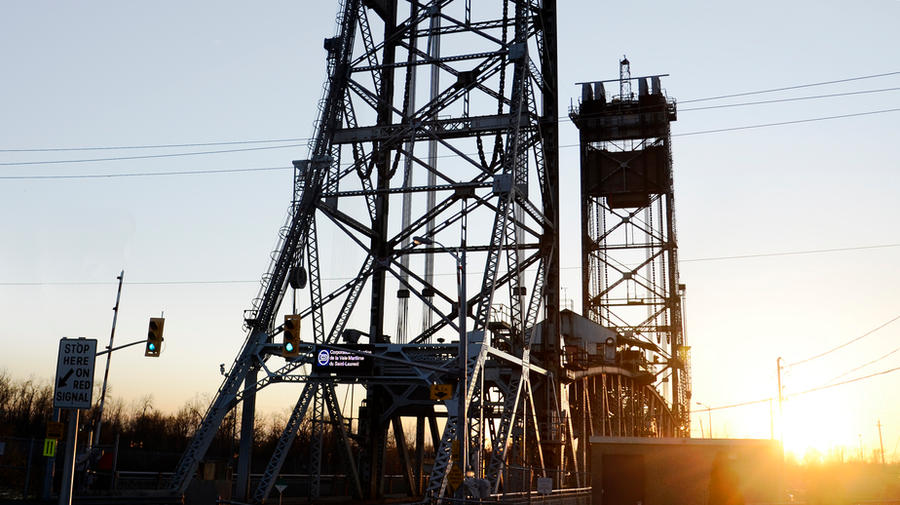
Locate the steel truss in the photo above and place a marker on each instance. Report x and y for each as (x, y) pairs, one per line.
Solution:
(630, 278)
(478, 86)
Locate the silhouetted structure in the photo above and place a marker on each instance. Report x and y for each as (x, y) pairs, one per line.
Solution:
(630, 281)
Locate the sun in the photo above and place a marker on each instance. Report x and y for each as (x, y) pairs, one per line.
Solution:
(815, 428)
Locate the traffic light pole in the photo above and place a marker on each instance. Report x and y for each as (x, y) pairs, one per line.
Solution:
(112, 335)
(136, 342)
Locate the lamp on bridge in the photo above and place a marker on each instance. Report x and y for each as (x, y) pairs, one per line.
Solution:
(709, 416)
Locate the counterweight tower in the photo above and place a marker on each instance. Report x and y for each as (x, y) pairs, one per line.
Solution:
(629, 249)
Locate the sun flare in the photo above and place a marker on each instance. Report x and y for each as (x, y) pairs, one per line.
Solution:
(816, 428)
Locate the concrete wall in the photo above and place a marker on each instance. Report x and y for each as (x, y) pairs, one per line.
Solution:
(674, 471)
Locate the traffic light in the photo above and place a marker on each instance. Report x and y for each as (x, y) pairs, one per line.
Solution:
(154, 337)
(291, 346)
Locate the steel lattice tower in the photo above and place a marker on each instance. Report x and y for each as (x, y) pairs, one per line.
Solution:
(438, 120)
(630, 280)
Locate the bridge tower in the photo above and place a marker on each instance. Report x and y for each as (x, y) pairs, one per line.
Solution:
(629, 251)
(435, 149)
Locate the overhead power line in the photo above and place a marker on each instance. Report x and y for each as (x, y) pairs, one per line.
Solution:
(146, 156)
(130, 283)
(220, 151)
(87, 283)
(842, 383)
(782, 123)
(845, 344)
(195, 172)
(143, 174)
(304, 139)
(788, 88)
(151, 146)
(793, 99)
(735, 405)
(788, 253)
(799, 393)
(876, 360)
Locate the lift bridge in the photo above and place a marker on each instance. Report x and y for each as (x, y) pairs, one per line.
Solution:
(434, 156)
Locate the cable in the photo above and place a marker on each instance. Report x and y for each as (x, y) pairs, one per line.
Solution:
(150, 146)
(876, 360)
(782, 123)
(733, 405)
(795, 99)
(147, 156)
(305, 139)
(845, 344)
(121, 158)
(836, 384)
(827, 386)
(436, 274)
(786, 88)
(788, 253)
(130, 283)
(142, 174)
(564, 146)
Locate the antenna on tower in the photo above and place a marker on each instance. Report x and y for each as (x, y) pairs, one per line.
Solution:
(625, 79)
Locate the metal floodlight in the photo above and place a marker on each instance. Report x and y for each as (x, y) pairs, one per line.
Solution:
(351, 336)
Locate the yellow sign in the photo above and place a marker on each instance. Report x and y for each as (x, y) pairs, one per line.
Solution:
(441, 391)
(454, 449)
(50, 447)
(55, 430)
(455, 477)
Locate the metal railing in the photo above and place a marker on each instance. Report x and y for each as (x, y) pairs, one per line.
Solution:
(575, 496)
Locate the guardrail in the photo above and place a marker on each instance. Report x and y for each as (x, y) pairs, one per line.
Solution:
(574, 496)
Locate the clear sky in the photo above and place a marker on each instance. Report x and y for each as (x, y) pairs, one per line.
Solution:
(94, 74)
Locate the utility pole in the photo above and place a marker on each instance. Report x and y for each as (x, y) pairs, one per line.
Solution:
(881, 443)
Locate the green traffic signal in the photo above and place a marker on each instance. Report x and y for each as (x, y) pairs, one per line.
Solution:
(154, 337)
(291, 342)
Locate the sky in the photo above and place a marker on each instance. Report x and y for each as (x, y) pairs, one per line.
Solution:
(193, 246)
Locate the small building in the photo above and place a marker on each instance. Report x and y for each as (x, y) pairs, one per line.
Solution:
(685, 471)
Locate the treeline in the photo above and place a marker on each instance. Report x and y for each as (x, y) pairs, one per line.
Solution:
(25, 406)
(152, 440)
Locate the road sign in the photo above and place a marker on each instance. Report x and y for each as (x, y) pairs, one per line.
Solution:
(441, 391)
(55, 430)
(280, 487)
(345, 359)
(75, 373)
(50, 447)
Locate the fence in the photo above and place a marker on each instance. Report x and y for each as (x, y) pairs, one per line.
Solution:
(23, 467)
